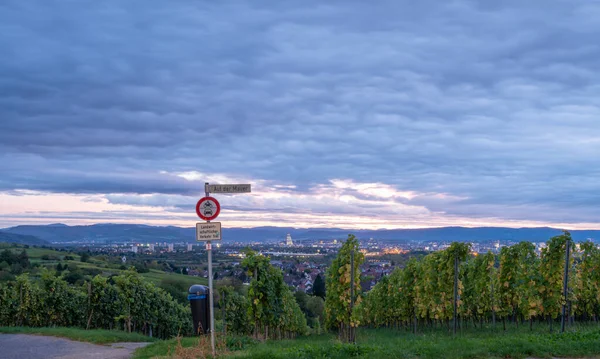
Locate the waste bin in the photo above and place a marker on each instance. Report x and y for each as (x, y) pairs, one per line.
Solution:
(198, 297)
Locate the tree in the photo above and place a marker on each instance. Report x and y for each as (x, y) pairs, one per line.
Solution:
(236, 311)
(319, 287)
(315, 307)
(85, 256)
(273, 309)
(301, 299)
(7, 256)
(338, 314)
(587, 282)
(126, 301)
(516, 282)
(23, 259)
(480, 278)
(552, 264)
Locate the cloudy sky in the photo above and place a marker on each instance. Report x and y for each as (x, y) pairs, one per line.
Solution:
(351, 114)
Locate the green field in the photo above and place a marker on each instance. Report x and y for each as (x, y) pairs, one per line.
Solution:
(35, 254)
(154, 276)
(384, 343)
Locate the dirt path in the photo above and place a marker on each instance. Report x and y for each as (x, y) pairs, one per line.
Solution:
(25, 346)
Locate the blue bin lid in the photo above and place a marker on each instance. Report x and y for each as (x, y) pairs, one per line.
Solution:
(196, 297)
(198, 289)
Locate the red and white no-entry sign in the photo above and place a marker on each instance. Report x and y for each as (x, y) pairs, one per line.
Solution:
(208, 208)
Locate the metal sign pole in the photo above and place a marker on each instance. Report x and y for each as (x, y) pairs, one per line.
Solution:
(210, 287)
(212, 231)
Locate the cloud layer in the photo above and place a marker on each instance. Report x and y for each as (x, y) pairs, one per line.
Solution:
(431, 113)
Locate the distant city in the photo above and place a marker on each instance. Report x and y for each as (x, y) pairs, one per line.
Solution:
(300, 258)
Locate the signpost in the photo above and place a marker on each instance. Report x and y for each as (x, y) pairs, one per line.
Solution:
(209, 231)
(208, 208)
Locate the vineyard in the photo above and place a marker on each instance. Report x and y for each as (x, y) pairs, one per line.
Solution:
(517, 286)
(133, 303)
(126, 302)
(269, 311)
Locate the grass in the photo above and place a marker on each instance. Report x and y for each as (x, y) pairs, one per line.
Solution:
(35, 254)
(385, 343)
(156, 277)
(162, 348)
(166, 348)
(96, 336)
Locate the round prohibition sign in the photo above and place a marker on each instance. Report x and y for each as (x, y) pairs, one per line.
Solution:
(208, 208)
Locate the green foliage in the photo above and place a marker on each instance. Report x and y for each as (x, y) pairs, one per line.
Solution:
(84, 257)
(130, 303)
(524, 286)
(237, 319)
(176, 288)
(517, 278)
(480, 286)
(552, 264)
(272, 308)
(338, 315)
(14, 263)
(587, 281)
(312, 307)
(319, 287)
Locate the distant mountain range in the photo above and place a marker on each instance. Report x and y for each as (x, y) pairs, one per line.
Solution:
(60, 233)
(22, 239)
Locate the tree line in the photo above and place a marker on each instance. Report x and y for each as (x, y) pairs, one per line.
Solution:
(269, 310)
(517, 285)
(125, 301)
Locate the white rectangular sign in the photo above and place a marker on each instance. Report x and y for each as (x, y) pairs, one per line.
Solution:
(208, 231)
(229, 188)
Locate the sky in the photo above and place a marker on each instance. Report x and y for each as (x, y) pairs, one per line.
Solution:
(350, 114)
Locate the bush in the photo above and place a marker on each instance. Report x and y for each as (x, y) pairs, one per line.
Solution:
(130, 303)
(74, 277)
(177, 289)
(141, 268)
(6, 276)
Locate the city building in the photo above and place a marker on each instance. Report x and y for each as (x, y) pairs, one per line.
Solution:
(288, 240)
(190, 247)
(170, 247)
(134, 248)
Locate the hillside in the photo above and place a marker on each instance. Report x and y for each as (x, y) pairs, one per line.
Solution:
(21, 239)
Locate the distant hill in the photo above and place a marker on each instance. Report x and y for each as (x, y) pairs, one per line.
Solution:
(60, 233)
(21, 239)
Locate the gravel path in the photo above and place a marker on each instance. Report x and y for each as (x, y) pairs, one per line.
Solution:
(24, 346)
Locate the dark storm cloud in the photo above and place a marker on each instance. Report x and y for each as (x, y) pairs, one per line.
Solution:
(493, 103)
